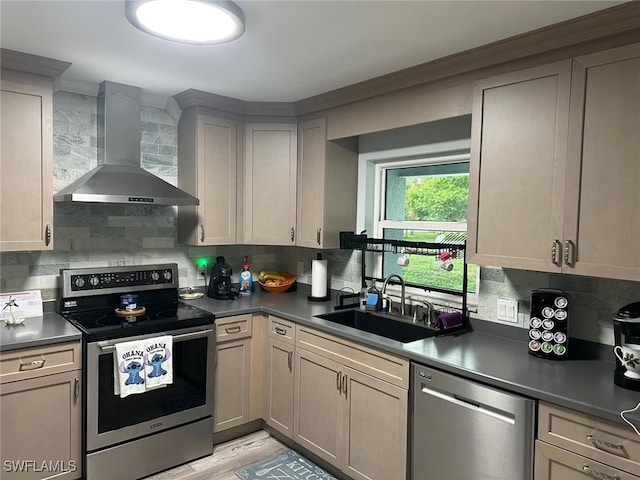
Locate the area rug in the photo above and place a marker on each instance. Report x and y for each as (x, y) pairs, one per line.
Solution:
(287, 465)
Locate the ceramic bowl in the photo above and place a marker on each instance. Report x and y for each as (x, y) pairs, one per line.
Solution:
(279, 288)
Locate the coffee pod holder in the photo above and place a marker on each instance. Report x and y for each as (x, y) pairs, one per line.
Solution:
(548, 324)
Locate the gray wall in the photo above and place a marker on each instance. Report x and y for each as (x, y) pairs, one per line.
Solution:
(101, 235)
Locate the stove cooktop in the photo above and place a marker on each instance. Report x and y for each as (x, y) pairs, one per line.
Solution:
(100, 325)
(92, 296)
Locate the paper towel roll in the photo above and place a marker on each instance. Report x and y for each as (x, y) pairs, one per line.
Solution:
(318, 278)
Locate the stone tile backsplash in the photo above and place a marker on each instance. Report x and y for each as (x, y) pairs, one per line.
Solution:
(87, 235)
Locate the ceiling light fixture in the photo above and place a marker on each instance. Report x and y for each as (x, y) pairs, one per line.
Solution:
(200, 22)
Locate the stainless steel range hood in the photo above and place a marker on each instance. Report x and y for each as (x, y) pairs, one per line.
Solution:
(118, 178)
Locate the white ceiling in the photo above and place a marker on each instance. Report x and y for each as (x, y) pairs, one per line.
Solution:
(290, 50)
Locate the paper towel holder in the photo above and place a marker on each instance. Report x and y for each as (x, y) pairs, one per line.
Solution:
(321, 298)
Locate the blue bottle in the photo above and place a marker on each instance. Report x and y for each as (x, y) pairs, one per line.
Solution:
(245, 283)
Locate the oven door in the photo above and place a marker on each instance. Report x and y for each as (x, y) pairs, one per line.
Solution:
(111, 419)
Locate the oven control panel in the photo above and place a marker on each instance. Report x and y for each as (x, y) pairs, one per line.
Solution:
(116, 279)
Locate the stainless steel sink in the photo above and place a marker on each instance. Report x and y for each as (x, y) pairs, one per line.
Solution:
(381, 324)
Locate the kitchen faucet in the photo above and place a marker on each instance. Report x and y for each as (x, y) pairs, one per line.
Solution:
(384, 288)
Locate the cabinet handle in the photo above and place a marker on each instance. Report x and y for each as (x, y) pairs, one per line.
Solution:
(76, 390)
(280, 331)
(290, 360)
(201, 232)
(556, 248)
(603, 444)
(235, 329)
(47, 235)
(569, 253)
(338, 379)
(318, 235)
(344, 384)
(595, 474)
(32, 365)
(292, 233)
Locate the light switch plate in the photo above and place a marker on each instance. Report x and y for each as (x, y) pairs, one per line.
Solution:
(507, 310)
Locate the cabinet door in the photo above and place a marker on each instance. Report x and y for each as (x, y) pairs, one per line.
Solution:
(327, 186)
(270, 184)
(232, 384)
(26, 167)
(517, 170)
(207, 170)
(318, 417)
(374, 450)
(280, 376)
(41, 427)
(603, 199)
(553, 463)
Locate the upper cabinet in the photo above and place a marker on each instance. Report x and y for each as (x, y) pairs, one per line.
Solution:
(270, 183)
(300, 189)
(555, 167)
(517, 169)
(207, 169)
(26, 150)
(327, 186)
(602, 218)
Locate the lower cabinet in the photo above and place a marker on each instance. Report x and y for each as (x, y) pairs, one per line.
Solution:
(575, 446)
(554, 463)
(41, 413)
(233, 372)
(349, 417)
(279, 375)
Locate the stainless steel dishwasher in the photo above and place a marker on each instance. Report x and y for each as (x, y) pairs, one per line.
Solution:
(462, 430)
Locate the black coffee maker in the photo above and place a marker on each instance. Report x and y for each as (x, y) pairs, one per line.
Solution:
(220, 282)
(626, 331)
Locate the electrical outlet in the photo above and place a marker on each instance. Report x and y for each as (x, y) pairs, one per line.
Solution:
(507, 310)
(202, 271)
(300, 269)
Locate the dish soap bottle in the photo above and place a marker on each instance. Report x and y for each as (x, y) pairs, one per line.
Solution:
(245, 284)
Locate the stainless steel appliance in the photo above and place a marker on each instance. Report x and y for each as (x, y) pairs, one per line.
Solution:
(464, 430)
(119, 178)
(220, 286)
(135, 436)
(626, 332)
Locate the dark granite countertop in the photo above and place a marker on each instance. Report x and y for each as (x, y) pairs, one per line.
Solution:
(492, 354)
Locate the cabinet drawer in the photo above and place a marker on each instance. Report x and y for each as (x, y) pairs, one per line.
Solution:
(38, 361)
(365, 359)
(233, 328)
(281, 329)
(553, 463)
(600, 440)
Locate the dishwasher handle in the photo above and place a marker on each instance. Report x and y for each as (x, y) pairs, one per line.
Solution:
(470, 404)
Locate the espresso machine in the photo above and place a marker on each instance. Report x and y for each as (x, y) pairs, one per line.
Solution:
(220, 282)
(626, 332)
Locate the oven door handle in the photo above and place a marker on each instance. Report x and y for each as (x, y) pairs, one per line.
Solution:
(176, 338)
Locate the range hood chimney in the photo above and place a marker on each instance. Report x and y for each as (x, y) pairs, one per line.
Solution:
(118, 178)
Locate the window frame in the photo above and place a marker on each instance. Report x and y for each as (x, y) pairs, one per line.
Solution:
(380, 223)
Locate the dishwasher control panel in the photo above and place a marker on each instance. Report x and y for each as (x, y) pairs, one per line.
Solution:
(548, 324)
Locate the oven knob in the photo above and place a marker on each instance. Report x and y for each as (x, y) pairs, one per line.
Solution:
(167, 275)
(155, 276)
(94, 281)
(79, 282)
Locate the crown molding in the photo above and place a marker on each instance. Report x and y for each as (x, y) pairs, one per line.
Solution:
(607, 28)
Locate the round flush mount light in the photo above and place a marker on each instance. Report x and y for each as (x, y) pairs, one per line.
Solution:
(200, 22)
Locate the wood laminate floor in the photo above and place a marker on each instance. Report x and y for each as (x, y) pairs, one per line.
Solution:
(227, 458)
